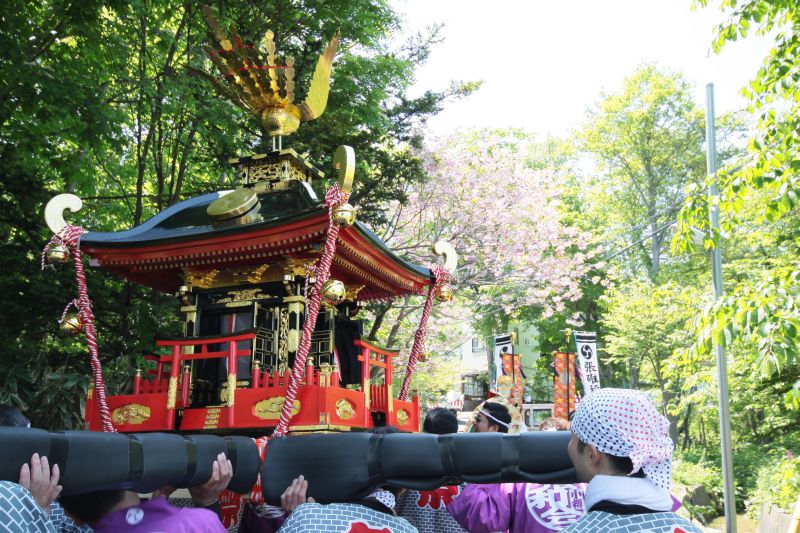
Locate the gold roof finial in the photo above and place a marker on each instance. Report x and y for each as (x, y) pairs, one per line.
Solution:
(266, 88)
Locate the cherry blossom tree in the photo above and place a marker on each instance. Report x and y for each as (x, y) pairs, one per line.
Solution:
(487, 197)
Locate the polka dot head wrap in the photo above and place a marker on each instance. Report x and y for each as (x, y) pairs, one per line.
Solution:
(625, 423)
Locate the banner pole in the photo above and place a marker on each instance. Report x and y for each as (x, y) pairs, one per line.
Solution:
(716, 272)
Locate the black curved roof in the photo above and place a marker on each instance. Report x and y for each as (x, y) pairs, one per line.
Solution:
(188, 220)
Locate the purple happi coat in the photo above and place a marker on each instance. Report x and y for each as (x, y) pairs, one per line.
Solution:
(518, 507)
(161, 516)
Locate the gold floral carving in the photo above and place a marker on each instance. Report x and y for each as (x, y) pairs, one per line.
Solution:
(172, 392)
(270, 409)
(244, 295)
(402, 417)
(212, 418)
(299, 267)
(273, 171)
(293, 340)
(352, 292)
(283, 337)
(231, 390)
(345, 409)
(132, 413)
(250, 275)
(202, 278)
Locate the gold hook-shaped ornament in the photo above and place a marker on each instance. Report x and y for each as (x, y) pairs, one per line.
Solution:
(54, 211)
(449, 253)
(344, 161)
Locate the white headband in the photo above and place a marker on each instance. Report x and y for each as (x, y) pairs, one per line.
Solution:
(484, 413)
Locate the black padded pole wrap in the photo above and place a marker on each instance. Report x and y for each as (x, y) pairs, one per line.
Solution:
(349, 466)
(91, 461)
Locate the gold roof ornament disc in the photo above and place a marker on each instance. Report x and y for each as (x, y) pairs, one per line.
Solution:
(233, 204)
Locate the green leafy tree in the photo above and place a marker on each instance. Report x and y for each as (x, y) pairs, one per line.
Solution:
(760, 192)
(102, 99)
(647, 142)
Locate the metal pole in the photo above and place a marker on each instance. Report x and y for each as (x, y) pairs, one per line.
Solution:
(722, 364)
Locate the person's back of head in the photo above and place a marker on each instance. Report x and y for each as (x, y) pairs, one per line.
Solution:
(91, 506)
(440, 421)
(626, 427)
(11, 416)
(498, 415)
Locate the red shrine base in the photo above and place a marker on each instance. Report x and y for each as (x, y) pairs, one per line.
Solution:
(320, 409)
(321, 405)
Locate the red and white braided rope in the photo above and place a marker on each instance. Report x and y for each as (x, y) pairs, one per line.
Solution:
(440, 277)
(333, 198)
(70, 237)
(256, 493)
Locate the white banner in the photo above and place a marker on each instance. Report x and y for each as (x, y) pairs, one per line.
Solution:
(502, 345)
(586, 342)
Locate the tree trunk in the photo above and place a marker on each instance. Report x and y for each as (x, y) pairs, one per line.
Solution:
(378, 322)
(390, 342)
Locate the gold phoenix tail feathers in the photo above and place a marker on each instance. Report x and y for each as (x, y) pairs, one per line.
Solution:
(266, 88)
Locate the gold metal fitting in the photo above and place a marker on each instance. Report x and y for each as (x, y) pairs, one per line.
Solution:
(72, 324)
(57, 254)
(344, 215)
(334, 292)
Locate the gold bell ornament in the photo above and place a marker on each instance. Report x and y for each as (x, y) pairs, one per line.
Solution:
(345, 215)
(57, 254)
(334, 292)
(444, 293)
(72, 324)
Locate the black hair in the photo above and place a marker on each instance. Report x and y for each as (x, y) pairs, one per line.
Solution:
(440, 421)
(621, 465)
(376, 505)
(501, 413)
(11, 416)
(91, 506)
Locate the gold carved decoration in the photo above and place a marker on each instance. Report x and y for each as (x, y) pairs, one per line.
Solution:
(249, 275)
(283, 338)
(273, 175)
(402, 417)
(325, 371)
(172, 392)
(200, 278)
(244, 295)
(293, 340)
(270, 409)
(345, 409)
(132, 413)
(299, 267)
(212, 418)
(228, 393)
(352, 292)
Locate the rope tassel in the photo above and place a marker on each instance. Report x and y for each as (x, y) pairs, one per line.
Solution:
(333, 198)
(70, 237)
(440, 277)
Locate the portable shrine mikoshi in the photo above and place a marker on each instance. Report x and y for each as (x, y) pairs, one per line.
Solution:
(242, 263)
(269, 279)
